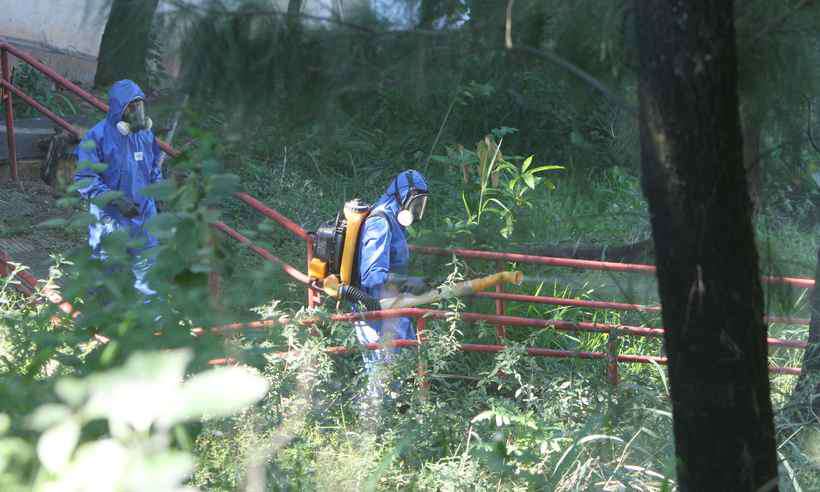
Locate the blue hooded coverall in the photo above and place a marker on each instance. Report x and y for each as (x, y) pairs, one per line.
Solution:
(383, 250)
(132, 164)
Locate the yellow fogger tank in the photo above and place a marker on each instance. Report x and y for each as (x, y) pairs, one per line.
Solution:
(335, 245)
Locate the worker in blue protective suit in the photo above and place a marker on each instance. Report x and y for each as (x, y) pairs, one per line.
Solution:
(129, 153)
(383, 258)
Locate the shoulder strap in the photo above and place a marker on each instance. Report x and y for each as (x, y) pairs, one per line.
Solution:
(376, 211)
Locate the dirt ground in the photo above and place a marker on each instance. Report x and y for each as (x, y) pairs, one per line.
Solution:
(22, 208)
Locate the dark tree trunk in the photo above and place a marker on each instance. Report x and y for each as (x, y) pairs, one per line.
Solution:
(805, 400)
(125, 42)
(708, 278)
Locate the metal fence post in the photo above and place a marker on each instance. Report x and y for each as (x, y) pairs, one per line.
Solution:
(421, 371)
(215, 289)
(612, 357)
(311, 297)
(8, 104)
(4, 266)
(500, 330)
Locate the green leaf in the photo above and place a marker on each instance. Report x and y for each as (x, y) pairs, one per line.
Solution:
(218, 393)
(97, 167)
(48, 415)
(530, 180)
(162, 190)
(545, 168)
(509, 225)
(81, 221)
(163, 471)
(106, 198)
(503, 131)
(139, 393)
(68, 202)
(502, 165)
(466, 205)
(56, 445)
(498, 212)
(75, 186)
(526, 163)
(497, 202)
(71, 390)
(97, 465)
(223, 184)
(163, 226)
(485, 415)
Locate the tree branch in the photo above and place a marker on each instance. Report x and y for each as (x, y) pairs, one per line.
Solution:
(563, 63)
(580, 74)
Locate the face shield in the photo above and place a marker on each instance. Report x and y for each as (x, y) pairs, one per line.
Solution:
(413, 208)
(416, 204)
(134, 118)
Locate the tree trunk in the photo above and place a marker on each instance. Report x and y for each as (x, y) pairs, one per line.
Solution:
(708, 278)
(805, 400)
(125, 42)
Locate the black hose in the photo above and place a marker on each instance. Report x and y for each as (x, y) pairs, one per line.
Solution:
(356, 296)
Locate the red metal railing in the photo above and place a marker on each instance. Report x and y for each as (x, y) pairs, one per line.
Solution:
(500, 320)
(424, 314)
(803, 283)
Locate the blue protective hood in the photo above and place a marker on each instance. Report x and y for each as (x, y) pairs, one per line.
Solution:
(403, 183)
(120, 95)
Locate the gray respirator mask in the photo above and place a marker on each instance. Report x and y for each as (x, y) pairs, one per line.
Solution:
(134, 119)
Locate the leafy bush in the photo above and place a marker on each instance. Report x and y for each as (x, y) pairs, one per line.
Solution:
(141, 403)
(42, 89)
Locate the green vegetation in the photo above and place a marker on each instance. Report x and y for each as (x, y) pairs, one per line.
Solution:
(507, 421)
(518, 156)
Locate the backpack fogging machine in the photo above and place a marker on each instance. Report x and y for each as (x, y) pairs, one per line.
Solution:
(333, 266)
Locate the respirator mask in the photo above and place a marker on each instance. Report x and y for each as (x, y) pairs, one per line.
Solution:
(134, 119)
(413, 205)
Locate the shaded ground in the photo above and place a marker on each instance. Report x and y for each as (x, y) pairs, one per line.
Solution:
(22, 208)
